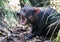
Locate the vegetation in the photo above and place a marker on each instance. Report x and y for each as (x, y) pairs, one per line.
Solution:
(8, 16)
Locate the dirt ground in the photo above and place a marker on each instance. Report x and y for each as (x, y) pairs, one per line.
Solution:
(18, 35)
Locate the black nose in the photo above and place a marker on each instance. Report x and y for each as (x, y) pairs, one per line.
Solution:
(18, 14)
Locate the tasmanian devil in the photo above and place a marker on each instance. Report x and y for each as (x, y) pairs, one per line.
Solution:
(41, 18)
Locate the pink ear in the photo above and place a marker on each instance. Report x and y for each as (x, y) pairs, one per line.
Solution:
(37, 10)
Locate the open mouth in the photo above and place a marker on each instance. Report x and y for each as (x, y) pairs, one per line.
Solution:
(23, 20)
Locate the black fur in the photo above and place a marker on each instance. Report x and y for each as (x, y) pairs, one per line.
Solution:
(43, 19)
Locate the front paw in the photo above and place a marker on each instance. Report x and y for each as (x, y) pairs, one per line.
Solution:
(29, 36)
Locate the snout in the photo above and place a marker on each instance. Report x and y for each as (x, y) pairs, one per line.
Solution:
(23, 19)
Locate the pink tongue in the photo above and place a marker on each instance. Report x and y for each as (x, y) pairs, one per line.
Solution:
(23, 21)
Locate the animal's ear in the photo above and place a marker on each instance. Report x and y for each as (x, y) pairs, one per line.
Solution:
(37, 10)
